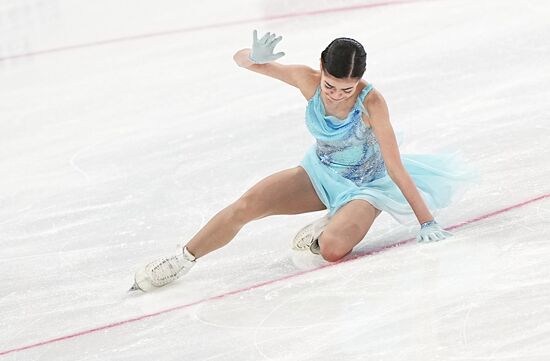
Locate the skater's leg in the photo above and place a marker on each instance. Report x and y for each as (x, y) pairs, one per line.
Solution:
(287, 192)
(346, 229)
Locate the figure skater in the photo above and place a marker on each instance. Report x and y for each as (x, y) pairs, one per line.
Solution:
(354, 170)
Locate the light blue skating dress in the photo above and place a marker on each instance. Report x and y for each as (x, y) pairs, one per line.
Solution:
(346, 164)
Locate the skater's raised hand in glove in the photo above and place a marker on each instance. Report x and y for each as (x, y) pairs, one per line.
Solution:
(431, 231)
(262, 49)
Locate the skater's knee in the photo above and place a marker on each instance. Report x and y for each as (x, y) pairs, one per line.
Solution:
(332, 246)
(332, 254)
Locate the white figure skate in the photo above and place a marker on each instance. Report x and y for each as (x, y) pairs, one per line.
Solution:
(164, 270)
(306, 238)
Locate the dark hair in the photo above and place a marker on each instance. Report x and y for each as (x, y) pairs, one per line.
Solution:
(344, 58)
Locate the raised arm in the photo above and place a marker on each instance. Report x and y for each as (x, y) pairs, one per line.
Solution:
(260, 59)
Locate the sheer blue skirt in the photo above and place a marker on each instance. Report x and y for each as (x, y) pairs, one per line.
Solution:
(438, 177)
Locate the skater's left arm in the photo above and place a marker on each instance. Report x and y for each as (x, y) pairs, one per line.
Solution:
(379, 119)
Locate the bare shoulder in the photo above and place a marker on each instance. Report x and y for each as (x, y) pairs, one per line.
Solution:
(377, 109)
(308, 81)
(374, 101)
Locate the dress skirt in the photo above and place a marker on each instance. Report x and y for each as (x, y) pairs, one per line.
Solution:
(438, 177)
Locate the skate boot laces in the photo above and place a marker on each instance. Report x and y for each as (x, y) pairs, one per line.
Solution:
(309, 233)
(167, 269)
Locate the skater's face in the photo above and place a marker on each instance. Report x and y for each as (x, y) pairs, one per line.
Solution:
(336, 89)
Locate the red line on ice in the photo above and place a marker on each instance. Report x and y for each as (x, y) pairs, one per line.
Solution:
(206, 27)
(259, 285)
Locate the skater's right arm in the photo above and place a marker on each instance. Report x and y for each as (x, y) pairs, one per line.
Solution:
(261, 59)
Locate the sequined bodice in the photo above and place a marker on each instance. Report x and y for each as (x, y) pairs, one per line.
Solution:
(347, 146)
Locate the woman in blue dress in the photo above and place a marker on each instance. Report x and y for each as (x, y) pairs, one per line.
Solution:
(354, 170)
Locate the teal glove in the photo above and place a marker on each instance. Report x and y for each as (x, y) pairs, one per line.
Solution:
(262, 50)
(432, 231)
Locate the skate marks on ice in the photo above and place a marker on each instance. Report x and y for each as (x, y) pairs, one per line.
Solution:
(471, 297)
(315, 274)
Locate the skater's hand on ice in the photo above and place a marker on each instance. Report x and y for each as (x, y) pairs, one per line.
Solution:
(262, 49)
(432, 231)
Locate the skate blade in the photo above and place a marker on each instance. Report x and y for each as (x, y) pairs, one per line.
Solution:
(135, 287)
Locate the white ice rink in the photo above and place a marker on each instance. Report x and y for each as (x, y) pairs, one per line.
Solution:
(125, 125)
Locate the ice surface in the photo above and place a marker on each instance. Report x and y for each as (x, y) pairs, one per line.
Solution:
(110, 154)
